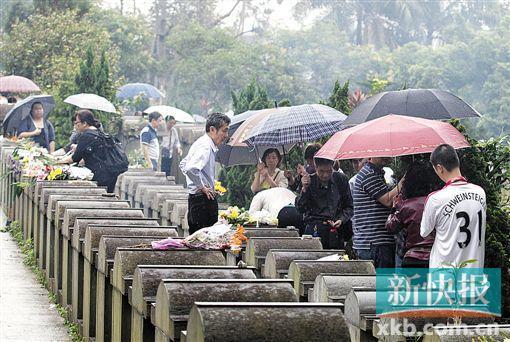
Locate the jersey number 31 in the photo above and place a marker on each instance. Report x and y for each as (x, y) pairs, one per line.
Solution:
(465, 228)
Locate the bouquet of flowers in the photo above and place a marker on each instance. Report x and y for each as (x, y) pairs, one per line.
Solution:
(32, 161)
(263, 217)
(235, 216)
(219, 236)
(219, 189)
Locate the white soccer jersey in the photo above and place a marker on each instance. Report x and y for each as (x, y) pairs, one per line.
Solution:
(457, 213)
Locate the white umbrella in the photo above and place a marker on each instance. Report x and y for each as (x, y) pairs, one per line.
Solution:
(91, 101)
(199, 118)
(178, 114)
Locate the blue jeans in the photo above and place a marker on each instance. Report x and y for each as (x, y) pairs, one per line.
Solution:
(154, 164)
(398, 261)
(363, 254)
(383, 256)
(166, 165)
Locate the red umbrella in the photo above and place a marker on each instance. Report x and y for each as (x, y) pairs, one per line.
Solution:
(391, 136)
(17, 84)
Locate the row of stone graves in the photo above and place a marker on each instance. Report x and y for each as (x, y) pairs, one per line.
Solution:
(95, 251)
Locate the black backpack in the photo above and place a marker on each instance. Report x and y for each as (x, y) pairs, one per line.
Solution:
(108, 153)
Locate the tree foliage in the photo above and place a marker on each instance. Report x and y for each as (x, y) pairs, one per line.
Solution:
(94, 77)
(339, 99)
(486, 164)
(131, 35)
(50, 6)
(389, 24)
(198, 58)
(252, 97)
(14, 12)
(47, 48)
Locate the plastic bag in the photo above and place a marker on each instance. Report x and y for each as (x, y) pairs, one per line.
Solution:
(167, 244)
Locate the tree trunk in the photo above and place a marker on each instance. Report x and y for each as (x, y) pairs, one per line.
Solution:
(359, 25)
(160, 34)
(242, 17)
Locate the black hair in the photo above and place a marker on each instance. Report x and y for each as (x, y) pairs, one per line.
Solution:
(268, 152)
(87, 117)
(311, 150)
(154, 116)
(216, 120)
(420, 180)
(323, 162)
(446, 156)
(169, 117)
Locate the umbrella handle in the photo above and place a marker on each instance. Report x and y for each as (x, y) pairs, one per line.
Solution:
(285, 157)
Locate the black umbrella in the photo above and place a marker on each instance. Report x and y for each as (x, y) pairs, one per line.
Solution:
(21, 110)
(243, 155)
(230, 155)
(431, 104)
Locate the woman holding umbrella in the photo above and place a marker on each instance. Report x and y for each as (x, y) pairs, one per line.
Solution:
(34, 126)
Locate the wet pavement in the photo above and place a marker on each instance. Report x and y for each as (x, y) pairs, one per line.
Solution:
(26, 313)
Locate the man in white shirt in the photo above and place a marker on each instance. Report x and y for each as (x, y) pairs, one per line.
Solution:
(199, 168)
(169, 145)
(457, 213)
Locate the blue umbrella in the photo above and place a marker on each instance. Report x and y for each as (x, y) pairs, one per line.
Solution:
(21, 110)
(131, 90)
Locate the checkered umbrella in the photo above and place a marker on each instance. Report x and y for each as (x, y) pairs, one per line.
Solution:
(290, 125)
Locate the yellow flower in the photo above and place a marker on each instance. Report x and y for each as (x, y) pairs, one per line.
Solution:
(234, 213)
(55, 173)
(345, 257)
(219, 188)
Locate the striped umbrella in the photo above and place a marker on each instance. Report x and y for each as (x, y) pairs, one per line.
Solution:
(289, 125)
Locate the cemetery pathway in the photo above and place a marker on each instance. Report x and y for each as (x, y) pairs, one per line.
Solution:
(26, 313)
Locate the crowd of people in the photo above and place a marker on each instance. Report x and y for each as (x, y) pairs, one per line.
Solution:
(89, 145)
(432, 217)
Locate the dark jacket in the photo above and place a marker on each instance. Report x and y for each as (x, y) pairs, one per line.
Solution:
(330, 202)
(405, 223)
(47, 134)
